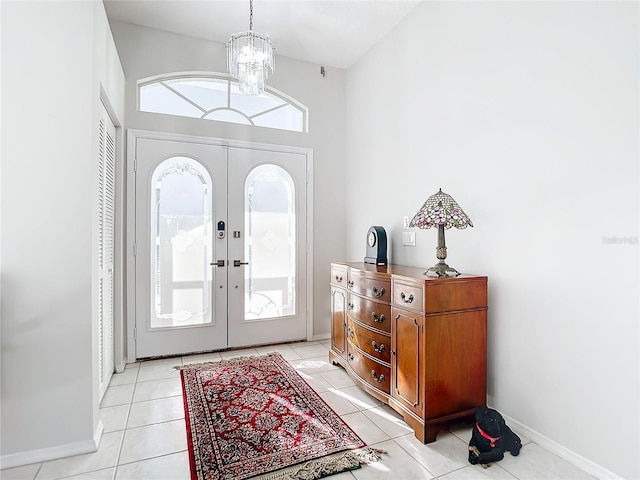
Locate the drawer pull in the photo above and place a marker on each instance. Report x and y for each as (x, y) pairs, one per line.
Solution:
(339, 278)
(350, 331)
(379, 349)
(379, 379)
(350, 357)
(377, 319)
(406, 299)
(377, 293)
(350, 283)
(351, 306)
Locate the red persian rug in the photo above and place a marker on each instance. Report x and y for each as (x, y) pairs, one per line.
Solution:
(256, 417)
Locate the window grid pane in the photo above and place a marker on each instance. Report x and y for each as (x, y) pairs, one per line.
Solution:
(206, 93)
(156, 98)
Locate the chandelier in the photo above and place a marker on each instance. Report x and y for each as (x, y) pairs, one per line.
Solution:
(250, 57)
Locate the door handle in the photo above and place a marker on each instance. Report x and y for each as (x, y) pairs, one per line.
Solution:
(237, 263)
(218, 263)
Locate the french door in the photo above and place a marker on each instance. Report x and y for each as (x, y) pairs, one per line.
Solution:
(220, 237)
(267, 290)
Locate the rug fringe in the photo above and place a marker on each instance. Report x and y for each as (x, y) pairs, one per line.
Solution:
(325, 466)
(218, 362)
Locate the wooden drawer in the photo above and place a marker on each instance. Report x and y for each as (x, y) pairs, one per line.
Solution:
(370, 285)
(372, 372)
(408, 294)
(375, 344)
(455, 296)
(374, 314)
(339, 275)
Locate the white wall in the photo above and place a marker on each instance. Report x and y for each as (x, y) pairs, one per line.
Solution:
(56, 58)
(147, 52)
(527, 114)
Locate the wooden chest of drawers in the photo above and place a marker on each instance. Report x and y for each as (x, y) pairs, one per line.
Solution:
(414, 342)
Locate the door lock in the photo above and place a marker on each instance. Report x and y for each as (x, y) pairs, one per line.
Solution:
(237, 263)
(218, 263)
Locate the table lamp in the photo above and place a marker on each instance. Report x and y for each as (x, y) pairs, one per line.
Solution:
(442, 211)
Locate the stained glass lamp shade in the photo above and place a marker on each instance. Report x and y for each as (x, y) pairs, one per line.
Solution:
(441, 211)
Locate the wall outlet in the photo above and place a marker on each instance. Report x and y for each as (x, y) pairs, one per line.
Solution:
(405, 222)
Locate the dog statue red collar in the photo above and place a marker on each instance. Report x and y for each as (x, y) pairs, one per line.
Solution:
(487, 436)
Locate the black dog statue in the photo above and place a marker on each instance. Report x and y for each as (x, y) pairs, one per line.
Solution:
(490, 438)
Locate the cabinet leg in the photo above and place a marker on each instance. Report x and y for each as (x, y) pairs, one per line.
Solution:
(335, 359)
(431, 433)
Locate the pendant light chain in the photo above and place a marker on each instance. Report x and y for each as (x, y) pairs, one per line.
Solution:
(251, 15)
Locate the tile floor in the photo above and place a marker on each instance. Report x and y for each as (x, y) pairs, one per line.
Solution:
(145, 436)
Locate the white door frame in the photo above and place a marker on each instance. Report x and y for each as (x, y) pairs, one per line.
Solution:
(132, 136)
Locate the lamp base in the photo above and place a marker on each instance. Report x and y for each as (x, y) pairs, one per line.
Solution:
(441, 269)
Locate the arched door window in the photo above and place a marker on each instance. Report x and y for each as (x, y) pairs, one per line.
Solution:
(270, 243)
(217, 97)
(181, 237)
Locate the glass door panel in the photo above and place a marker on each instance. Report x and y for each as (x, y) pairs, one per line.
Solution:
(181, 243)
(270, 244)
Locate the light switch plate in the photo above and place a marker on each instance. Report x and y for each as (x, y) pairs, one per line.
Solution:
(409, 239)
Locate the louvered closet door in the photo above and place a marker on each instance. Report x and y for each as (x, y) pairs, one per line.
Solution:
(106, 207)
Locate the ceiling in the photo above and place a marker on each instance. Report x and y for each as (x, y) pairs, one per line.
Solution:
(332, 33)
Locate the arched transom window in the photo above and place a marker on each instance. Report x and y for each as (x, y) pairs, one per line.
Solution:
(217, 97)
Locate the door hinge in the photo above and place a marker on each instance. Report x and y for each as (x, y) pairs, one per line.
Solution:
(135, 333)
(135, 164)
(135, 249)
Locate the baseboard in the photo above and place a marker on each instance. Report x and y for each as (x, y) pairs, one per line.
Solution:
(579, 461)
(52, 453)
(322, 336)
(119, 367)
